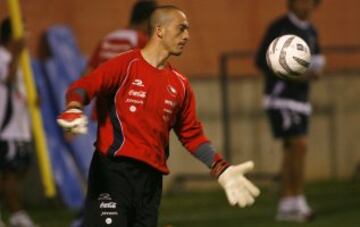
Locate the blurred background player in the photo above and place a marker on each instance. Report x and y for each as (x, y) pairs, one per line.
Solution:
(15, 133)
(288, 108)
(134, 36)
(121, 40)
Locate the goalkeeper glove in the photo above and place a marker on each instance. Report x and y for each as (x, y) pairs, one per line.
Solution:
(238, 189)
(73, 120)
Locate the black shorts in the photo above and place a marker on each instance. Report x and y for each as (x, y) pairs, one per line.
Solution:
(122, 192)
(287, 123)
(15, 155)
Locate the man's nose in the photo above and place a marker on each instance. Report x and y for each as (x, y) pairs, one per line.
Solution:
(186, 35)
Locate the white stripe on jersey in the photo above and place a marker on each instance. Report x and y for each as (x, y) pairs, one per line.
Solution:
(129, 35)
(289, 104)
(109, 54)
(117, 42)
(180, 78)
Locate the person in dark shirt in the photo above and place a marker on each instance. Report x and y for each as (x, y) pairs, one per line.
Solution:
(288, 108)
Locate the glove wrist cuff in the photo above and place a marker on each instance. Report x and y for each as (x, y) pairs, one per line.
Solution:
(218, 167)
(74, 108)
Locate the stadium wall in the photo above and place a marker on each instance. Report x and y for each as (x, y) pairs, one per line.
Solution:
(216, 26)
(333, 140)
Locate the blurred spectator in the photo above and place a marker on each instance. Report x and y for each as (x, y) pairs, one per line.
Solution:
(124, 39)
(121, 40)
(15, 133)
(288, 108)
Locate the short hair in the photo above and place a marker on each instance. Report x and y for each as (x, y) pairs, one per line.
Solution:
(154, 19)
(315, 2)
(142, 11)
(5, 31)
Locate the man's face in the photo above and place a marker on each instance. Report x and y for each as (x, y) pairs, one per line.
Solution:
(303, 8)
(176, 33)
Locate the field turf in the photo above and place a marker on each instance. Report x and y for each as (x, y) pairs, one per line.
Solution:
(337, 205)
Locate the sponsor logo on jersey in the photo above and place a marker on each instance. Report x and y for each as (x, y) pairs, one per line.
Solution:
(109, 213)
(167, 111)
(138, 82)
(172, 90)
(134, 101)
(108, 221)
(132, 108)
(107, 205)
(169, 102)
(168, 108)
(104, 197)
(139, 94)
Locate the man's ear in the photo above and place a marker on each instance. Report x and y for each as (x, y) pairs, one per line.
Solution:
(159, 31)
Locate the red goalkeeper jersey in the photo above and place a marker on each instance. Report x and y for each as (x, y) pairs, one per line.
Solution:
(138, 105)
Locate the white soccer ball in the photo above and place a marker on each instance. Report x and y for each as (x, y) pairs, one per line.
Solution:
(288, 56)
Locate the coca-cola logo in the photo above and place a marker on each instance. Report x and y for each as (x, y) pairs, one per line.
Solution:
(140, 94)
(109, 205)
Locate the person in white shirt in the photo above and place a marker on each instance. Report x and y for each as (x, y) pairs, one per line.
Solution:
(15, 133)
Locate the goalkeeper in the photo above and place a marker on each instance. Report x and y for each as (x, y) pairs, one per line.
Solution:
(144, 98)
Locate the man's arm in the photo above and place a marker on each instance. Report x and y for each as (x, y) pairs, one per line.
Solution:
(15, 47)
(189, 130)
(260, 58)
(318, 61)
(316, 68)
(104, 79)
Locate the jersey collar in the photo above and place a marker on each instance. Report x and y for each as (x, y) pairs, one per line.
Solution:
(297, 22)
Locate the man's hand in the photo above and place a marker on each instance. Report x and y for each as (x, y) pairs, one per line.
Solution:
(316, 67)
(73, 121)
(238, 189)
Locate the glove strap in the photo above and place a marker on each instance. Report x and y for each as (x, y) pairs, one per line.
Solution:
(74, 108)
(218, 168)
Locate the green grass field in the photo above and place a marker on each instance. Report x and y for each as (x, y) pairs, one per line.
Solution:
(337, 205)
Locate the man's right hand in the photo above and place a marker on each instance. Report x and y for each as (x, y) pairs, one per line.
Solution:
(73, 121)
(239, 190)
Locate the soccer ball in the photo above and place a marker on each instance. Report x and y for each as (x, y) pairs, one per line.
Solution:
(288, 56)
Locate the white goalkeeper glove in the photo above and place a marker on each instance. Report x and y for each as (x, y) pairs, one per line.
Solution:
(238, 189)
(73, 120)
